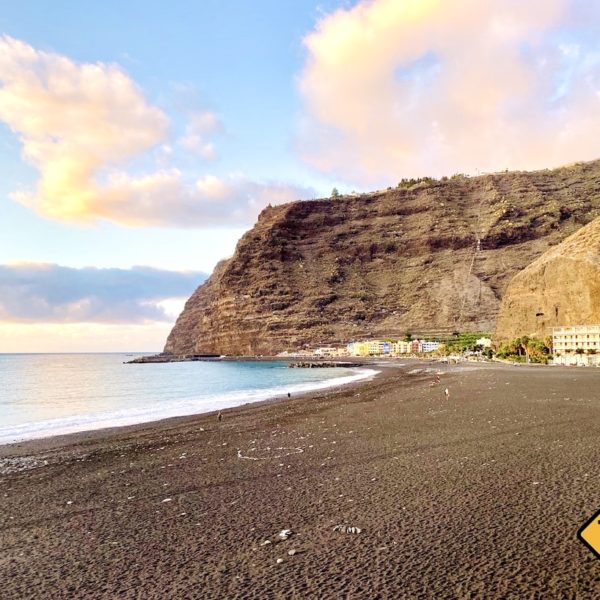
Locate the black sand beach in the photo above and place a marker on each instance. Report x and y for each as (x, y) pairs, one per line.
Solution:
(478, 496)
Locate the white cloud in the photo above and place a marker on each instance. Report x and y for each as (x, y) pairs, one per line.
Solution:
(72, 120)
(396, 88)
(164, 198)
(200, 128)
(79, 123)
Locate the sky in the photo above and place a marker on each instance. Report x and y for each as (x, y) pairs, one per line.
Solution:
(139, 140)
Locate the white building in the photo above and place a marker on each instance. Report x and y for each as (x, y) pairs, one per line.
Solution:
(429, 346)
(576, 345)
(484, 342)
(326, 351)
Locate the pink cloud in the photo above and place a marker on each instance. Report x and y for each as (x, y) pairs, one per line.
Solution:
(79, 123)
(396, 88)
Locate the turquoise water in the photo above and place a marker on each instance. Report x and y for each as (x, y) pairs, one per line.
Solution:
(49, 394)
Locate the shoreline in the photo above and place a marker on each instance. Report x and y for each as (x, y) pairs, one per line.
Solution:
(480, 495)
(360, 373)
(72, 442)
(387, 367)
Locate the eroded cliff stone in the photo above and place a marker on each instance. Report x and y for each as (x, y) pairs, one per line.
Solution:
(562, 287)
(434, 258)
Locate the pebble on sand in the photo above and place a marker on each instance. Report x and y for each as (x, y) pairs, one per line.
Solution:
(347, 529)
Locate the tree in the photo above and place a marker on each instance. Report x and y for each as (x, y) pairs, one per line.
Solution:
(408, 337)
(335, 193)
(579, 350)
(525, 348)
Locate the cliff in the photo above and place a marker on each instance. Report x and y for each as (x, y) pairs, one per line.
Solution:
(433, 258)
(562, 287)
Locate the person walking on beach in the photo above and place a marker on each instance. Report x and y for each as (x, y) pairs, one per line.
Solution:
(447, 393)
(220, 417)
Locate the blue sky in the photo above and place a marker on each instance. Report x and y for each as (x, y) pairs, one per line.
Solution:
(151, 134)
(239, 59)
(236, 59)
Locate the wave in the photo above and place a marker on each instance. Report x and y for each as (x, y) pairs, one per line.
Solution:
(165, 410)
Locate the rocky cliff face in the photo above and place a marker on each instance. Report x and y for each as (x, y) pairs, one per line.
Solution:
(562, 287)
(433, 258)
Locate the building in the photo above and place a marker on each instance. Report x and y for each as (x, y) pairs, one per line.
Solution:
(429, 346)
(295, 354)
(326, 351)
(415, 347)
(576, 345)
(370, 348)
(484, 342)
(387, 348)
(358, 349)
(379, 347)
(401, 347)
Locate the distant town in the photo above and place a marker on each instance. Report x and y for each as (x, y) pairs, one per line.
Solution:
(389, 348)
(577, 345)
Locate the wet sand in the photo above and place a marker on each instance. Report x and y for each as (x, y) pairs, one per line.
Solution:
(478, 496)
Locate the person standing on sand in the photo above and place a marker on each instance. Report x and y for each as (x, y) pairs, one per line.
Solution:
(447, 393)
(219, 417)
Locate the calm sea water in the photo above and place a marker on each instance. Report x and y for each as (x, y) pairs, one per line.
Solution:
(50, 394)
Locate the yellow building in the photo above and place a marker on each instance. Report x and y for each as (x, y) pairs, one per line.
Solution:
(401, 347)
(359, 349)
(370, 348)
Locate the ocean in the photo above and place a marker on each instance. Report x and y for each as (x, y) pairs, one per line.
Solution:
(42, 395)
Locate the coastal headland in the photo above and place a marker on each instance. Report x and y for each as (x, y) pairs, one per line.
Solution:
(430, 259)
(476, 496)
